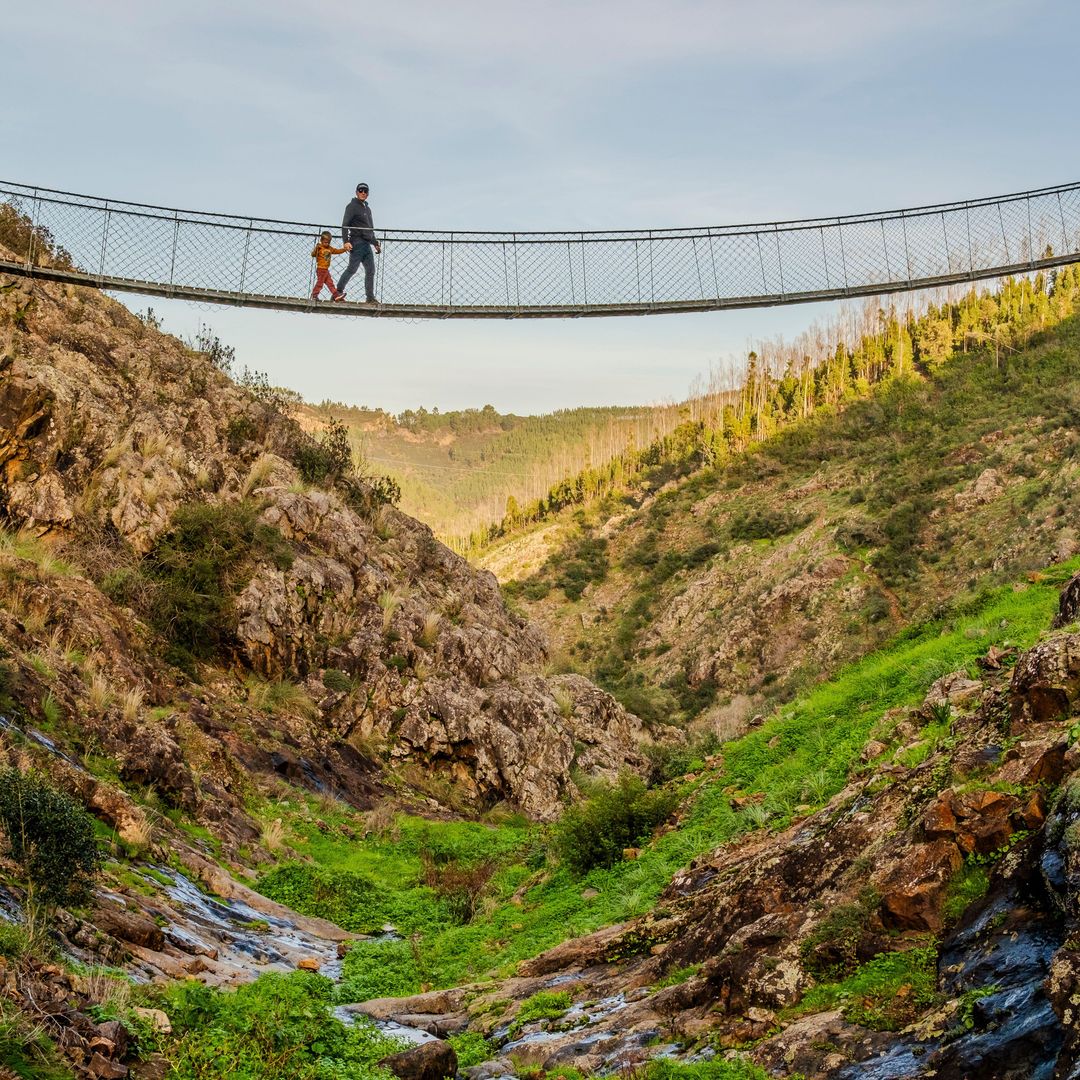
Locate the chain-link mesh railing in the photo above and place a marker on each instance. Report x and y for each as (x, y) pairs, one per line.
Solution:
(236, 260)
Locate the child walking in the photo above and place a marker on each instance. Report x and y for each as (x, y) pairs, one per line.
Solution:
(321, 254)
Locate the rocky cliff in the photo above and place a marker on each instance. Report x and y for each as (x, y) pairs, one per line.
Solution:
(373, 656)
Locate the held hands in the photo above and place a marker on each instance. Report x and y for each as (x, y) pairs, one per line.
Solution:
(348, 247)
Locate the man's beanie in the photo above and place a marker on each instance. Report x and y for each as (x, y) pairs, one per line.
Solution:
(361, 186)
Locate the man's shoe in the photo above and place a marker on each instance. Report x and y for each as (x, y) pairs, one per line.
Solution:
(340, 296)
(372, 300)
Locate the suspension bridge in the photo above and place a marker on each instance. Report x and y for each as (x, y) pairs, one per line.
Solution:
(261, 263)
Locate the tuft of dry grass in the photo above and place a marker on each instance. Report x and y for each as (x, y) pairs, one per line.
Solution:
(131, 704)
(565, 703)
(430, 633)
(99, 694)
(109, 991)
(257, 474)
(115, 452)
(154, 445)
(139, 835)
(384, 527)
(280, 695)
(389, 601)
(380, 821)
(273, 835)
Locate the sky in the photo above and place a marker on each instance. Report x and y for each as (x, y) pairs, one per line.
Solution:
(512, 115)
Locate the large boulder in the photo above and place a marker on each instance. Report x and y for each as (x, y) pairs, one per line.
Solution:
(434, 1060)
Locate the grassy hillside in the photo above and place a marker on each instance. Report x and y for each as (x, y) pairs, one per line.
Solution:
(463, 471)
(742, 583)
(797, 760)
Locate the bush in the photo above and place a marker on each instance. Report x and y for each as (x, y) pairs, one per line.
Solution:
(277, 1026)
(203, 561)
(669, 761)
(471, 1048)
(14, 941)
(765, 524)
(616, 816)
(326, 459)
(460, 884)
(51, 838)
(374, 969)
(353, 900)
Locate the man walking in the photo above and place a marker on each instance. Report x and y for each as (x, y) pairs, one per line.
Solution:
(358, 235)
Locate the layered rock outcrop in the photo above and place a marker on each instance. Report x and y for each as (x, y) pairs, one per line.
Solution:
(412, 659)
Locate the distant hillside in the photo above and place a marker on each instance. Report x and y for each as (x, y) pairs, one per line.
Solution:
(747, 558)
(462, 471)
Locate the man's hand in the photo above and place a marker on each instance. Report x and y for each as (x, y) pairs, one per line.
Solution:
(348, 247)
(378, 248)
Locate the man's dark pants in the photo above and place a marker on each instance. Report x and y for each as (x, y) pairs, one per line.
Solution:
(361, 253)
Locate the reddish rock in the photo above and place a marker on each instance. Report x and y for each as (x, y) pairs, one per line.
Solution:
(1036, 762)
(434, 1060)
(105, 1069)
(309, 963)
(131, 927)
(911, 896)
(1046, 680)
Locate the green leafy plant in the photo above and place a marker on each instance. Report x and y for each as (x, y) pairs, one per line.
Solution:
(277, 1026)
(471, 1048)
(614, 817)
(543, 1005)
(52, 840)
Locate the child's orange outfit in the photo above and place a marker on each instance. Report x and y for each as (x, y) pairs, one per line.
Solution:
(321, 254)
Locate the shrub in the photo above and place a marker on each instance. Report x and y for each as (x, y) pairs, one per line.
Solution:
(214, 349)
(327, 458)
(274, 1027)
(51, 838)
(616, 816)
(349, 898)
(374, 969)
(471, 1048)
(460, 884)
(765, 524)
(14, 941)
(669, 760)
(199, 565)
(338, 681)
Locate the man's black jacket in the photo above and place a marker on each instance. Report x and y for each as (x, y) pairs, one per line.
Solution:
(357, 225)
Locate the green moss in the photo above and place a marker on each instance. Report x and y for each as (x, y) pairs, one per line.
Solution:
(543, 1005)
(885, 994)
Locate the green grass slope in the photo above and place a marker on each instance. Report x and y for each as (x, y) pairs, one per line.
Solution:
(742, 584)
(531, 900)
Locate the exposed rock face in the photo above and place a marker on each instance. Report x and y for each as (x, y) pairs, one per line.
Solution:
(434, 1060)
(107, 426)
